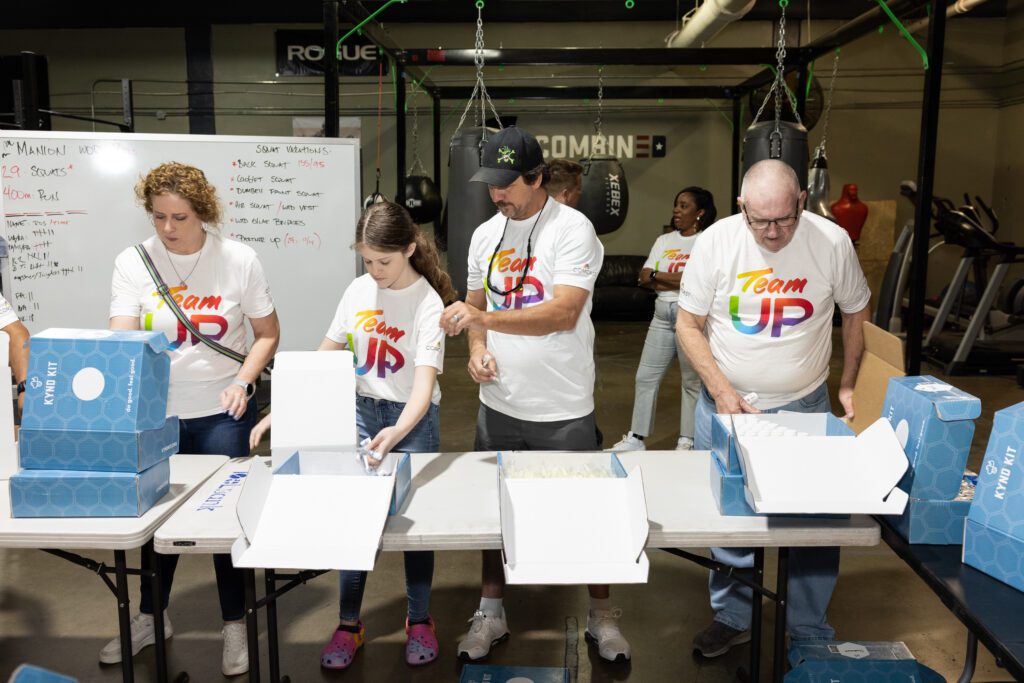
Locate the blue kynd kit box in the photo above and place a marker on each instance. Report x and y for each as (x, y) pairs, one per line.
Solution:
(937, 522)
(486, 673)
(856, 662)
(95, 451)
(994, 538)
(935, 423)
(64, 493)
(96, 380)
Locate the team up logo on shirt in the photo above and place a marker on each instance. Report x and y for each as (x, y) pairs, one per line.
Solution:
(503, 268)
(676, 258)
(379, 352)
(187, 303)
(773, 309)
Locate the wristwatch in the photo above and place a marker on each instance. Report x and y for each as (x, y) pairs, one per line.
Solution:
(653, 275)
(250, 389)
(21, 387)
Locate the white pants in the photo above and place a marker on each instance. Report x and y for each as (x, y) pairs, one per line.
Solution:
(660, 347)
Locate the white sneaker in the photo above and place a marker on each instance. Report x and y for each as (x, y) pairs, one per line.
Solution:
(629, 443)
(685, 443)
(603, 631)
(143, 635)
(235, 659)
(485, 631)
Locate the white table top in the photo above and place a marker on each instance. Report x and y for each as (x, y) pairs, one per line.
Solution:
(453, 505)
(105, 533)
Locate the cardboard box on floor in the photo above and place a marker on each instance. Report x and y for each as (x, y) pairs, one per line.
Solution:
(881, 360)
(285, 507)
(571, 518)
(499, 673)
(811, 473)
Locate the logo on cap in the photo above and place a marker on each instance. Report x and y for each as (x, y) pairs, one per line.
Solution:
(506, 155)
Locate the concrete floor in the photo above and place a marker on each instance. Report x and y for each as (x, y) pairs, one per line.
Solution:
(56, 615)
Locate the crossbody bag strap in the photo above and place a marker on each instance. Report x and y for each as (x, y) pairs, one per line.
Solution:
(165, 294)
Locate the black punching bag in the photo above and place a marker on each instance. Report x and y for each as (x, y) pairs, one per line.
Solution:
(792, 148)
(605, 197)
(469, 204)
(421, 199)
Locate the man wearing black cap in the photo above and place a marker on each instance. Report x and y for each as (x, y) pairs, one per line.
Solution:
(530, 282)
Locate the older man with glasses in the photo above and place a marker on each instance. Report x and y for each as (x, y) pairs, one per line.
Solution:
(755, 319)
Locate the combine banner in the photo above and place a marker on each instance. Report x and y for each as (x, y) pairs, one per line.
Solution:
(621, 146)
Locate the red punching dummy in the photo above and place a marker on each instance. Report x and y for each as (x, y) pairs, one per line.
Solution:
(850, 212)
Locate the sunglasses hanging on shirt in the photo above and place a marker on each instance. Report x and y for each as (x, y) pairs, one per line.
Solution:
(526, 268)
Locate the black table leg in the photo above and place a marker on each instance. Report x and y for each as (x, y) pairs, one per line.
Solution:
(272, 647)
(781, 604)
(156, 594)
(755, 617)
(252, 625)
(971, 661)
(123, 617)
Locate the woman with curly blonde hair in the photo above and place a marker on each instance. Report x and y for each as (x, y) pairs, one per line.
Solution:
(219, 285)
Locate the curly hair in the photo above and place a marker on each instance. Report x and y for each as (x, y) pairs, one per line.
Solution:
(188, 182)
(387, 226)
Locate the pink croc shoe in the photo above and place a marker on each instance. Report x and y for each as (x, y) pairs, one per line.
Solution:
(421, 643)
(338, 653)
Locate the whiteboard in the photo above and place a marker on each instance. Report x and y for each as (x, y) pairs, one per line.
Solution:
(69, 209)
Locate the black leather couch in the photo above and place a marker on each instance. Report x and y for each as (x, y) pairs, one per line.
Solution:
(616, 294)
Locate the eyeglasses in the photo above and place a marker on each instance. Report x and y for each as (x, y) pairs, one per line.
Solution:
(781, 223)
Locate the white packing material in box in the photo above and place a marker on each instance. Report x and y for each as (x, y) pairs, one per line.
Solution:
(572, 518)
(807, 472)
(289, 515)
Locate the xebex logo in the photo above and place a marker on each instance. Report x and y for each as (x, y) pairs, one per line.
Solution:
(349, 53)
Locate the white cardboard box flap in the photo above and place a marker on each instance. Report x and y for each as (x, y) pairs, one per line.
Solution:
(554, 533)
(825, 475)
(314, 399)
(283, 514)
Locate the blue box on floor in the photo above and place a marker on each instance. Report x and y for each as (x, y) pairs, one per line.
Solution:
(94, 451)
(994, 539)
(935, 423)
(484, 673)
(856, 662)
(65, 493)
(26, 673)
(96, 380)
(937, 522)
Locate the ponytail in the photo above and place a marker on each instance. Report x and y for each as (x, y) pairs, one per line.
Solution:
(427, 263)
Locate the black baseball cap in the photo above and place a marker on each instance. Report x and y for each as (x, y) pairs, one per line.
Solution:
(508, 154)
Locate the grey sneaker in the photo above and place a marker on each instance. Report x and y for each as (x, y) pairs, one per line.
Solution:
(629, 442)
(717, 639)
(485, 631)
(143, 635)
(235, 656)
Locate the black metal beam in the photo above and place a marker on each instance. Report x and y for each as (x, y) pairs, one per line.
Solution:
(848, 32)
(436, 121)
(925, 185)
(382, 39)
(199, 70)
(400, 135)
(654, 56)
(613, 92)
(737, 141)
(332, 100)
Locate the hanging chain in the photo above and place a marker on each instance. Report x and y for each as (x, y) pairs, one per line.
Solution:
(600, 100)
(479, 88)
(820, 151)
(417, 163)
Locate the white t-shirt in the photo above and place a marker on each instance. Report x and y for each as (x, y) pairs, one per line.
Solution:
(227, 286)
(540, 378)
(669, 254)
(7, 314)
(389, 326)
(769, 316)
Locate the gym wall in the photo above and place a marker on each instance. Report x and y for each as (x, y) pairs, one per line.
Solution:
(873, 134)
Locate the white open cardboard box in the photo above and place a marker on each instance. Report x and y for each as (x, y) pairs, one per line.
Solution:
(289, 509)
(558, 527)
(817, 474)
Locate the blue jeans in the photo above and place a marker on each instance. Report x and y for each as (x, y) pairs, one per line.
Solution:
(812, 571)
(660, 348)
(218, 434)
(373, 415)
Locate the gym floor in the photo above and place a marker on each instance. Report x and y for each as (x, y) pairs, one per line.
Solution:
(54, 614)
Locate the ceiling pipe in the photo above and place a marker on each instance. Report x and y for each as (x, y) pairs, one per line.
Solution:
(705, 23)
(956, 9)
